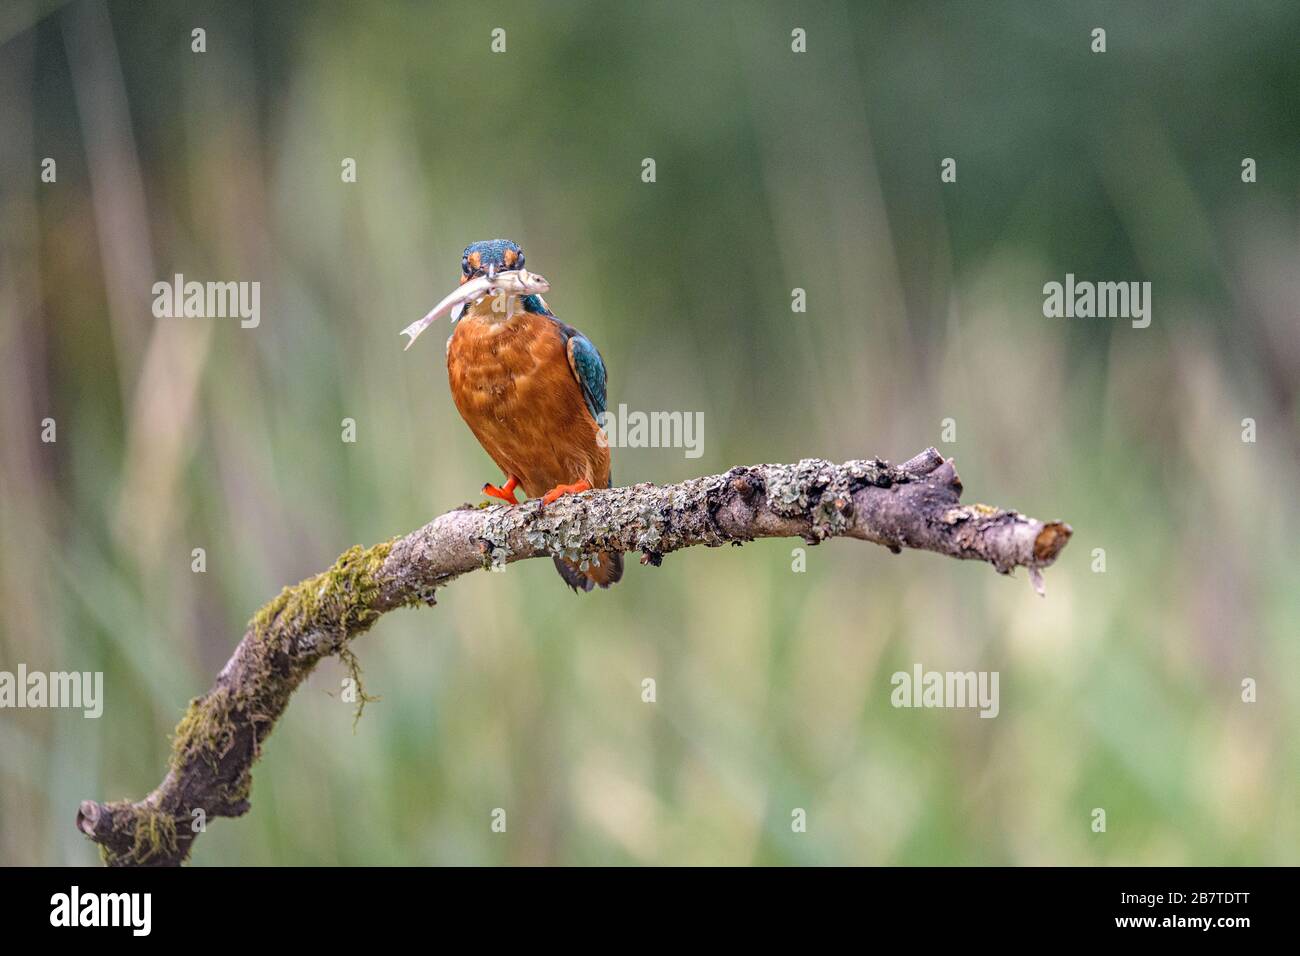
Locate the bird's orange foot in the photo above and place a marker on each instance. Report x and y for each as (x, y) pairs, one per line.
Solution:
(506, 494)
(558, 490)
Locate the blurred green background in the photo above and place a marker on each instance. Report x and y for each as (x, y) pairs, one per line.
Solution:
(775, 170)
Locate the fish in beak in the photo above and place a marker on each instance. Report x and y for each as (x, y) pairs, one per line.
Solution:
(459, 309)
(513, 283)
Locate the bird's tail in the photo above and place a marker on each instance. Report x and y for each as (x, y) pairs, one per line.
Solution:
(609, 570)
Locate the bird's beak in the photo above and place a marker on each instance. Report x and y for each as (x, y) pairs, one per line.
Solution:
(491, 271)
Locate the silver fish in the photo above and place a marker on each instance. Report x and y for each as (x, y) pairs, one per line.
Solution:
(515, 282)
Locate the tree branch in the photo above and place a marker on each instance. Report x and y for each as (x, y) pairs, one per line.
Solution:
(913, 505)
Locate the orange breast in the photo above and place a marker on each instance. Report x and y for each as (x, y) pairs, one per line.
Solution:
(512, 383)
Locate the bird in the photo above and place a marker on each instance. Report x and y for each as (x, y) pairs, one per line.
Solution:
(532, 389)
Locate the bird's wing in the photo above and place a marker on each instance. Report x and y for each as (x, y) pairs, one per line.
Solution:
(589, 369)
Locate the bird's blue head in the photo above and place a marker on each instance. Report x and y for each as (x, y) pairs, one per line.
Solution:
(490, 257)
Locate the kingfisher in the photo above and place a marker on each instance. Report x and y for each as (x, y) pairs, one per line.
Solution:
(532, 389)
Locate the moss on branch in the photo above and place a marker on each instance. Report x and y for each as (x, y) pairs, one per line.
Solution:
(218, 740)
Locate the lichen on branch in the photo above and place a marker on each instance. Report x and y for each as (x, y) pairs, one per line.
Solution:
(913, 505)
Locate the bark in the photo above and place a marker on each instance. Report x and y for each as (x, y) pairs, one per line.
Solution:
(913, 505)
